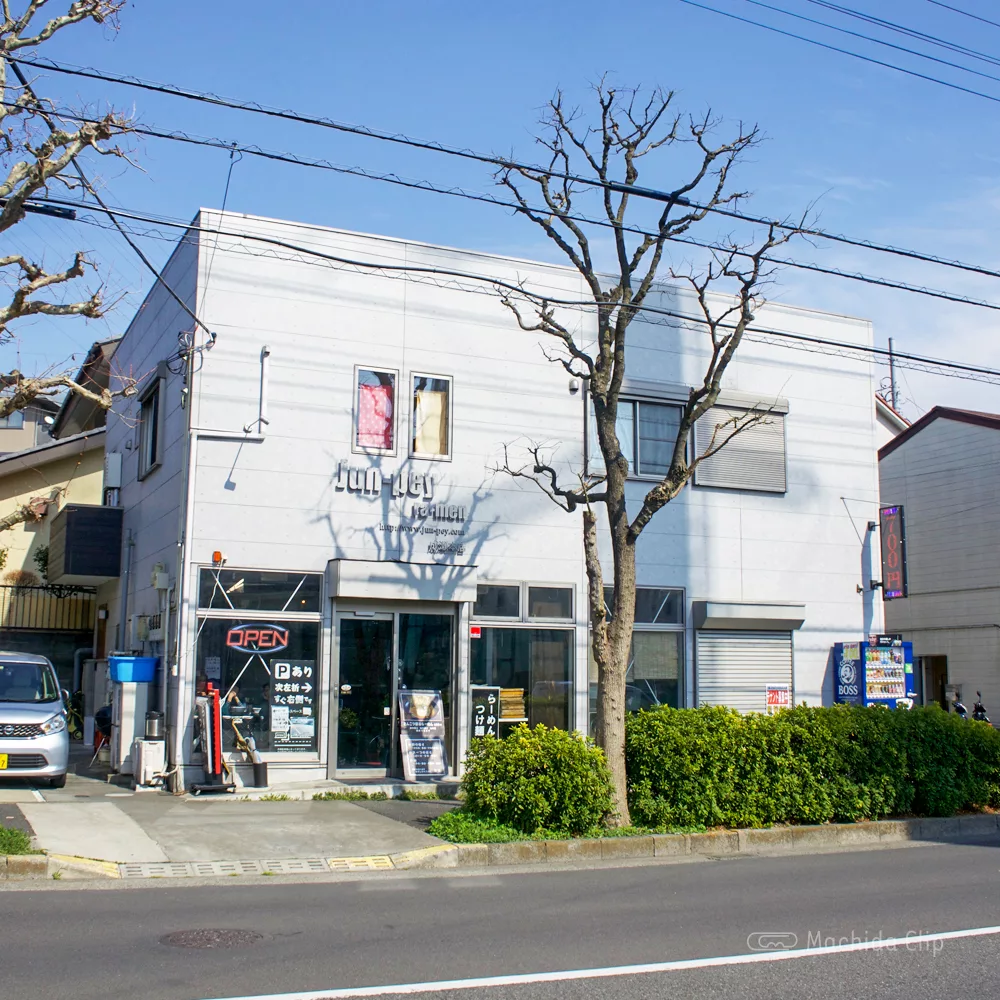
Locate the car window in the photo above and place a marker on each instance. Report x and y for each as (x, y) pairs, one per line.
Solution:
(27, 682)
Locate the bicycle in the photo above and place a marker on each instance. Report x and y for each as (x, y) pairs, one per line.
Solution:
(74, 717)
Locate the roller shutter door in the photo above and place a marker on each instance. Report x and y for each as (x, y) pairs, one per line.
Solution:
(734, 668)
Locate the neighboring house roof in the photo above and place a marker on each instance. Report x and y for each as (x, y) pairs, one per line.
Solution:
(890, 415)
(76, 413)
(51, 451)
(991, 420)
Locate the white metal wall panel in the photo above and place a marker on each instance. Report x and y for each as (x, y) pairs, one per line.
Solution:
(734, 668)
(753, 460)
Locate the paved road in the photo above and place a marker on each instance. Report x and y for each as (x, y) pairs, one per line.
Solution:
(389, 929)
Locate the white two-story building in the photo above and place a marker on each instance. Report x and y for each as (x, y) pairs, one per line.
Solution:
(317, 488)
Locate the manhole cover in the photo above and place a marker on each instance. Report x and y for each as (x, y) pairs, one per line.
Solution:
(210, 937)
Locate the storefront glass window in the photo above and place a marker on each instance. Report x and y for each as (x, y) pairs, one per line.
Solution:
(655, 668)
(534, 669)
(251, 590)
(268, 673)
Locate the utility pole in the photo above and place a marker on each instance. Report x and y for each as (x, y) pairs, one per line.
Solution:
(893, 390)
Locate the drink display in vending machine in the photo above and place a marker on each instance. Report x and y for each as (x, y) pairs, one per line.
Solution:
(876, 672)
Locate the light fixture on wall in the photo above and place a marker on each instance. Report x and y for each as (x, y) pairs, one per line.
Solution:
(574, 386)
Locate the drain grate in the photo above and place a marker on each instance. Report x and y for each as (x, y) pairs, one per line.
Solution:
(377, 862)
(212, 937)
(155, 869)
(294, 866)
(286, 866)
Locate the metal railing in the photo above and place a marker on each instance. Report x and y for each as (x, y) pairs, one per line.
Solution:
(64, 608)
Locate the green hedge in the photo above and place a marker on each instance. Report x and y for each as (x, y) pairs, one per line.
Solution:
(537, 779)
(715, 767)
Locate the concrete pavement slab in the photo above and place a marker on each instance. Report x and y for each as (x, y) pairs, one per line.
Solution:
(90, 830)
(17, 794)
(221, 831)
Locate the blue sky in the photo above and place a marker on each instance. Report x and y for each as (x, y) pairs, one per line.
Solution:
(881, 155)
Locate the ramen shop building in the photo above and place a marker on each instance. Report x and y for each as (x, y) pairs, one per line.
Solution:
(314, 523)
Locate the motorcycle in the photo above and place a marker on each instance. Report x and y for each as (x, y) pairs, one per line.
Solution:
(978, 711)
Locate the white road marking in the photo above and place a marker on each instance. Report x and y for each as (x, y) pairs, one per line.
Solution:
(753, 958)
(37, 795)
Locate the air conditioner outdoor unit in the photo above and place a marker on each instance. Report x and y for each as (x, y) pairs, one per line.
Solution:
(149, 762)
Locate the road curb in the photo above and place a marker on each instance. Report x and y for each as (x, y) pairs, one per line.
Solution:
(713, 844)
(723, 843)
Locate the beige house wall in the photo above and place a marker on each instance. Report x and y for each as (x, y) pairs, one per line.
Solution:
(80, 474)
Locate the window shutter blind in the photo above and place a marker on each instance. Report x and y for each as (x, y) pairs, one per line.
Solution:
(734, 668)
(753, 460)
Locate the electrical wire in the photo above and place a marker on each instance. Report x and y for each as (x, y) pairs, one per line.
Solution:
(487, 282)
(870, 38)
(958, 10)
(846, 52)
(902, 29)
(503, 163)
(423, 185)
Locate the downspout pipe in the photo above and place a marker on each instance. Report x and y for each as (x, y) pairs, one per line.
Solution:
(126, 573)
(78, 657)
(165, 664)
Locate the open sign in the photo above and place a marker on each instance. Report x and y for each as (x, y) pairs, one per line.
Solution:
(257, 638)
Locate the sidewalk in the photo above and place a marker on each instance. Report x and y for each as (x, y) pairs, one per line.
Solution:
(91, 818)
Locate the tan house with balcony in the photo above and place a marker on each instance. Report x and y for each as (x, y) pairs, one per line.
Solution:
(53, 621)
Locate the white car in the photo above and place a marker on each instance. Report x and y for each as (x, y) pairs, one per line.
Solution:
(34, 741)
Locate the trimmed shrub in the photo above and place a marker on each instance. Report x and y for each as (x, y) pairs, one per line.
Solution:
(715, 767)
(538, 779)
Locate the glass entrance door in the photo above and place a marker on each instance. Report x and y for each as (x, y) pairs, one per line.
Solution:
(382, 653)
(365, 723)
(426, 656)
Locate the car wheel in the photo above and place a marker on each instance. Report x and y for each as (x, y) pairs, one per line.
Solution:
(59, 782)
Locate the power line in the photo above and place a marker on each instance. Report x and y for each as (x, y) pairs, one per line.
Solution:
(423, 185)
(618, 187)
(846, 52)
(958, 10)
(870, 38)
(822, 345)
(902, 29)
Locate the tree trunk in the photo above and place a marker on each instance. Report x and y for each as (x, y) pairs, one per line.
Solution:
(610, 645)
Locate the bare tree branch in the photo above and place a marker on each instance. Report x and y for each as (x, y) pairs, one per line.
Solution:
(17, 390)
(33, 510)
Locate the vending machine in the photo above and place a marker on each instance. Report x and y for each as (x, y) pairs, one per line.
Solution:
(877, 672)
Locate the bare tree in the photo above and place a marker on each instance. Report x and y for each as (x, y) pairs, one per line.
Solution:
(39, 146)
(603, 161)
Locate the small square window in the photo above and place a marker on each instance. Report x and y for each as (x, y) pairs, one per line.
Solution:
(375, 411)
(497, 601)
(550, 602)
(149, 430)
(653, 605)
(13, 421)
(431, 431)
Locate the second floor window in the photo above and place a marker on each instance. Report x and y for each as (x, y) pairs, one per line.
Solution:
(149, 430)
(375, 411)
(646, 434)
(431, 437)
